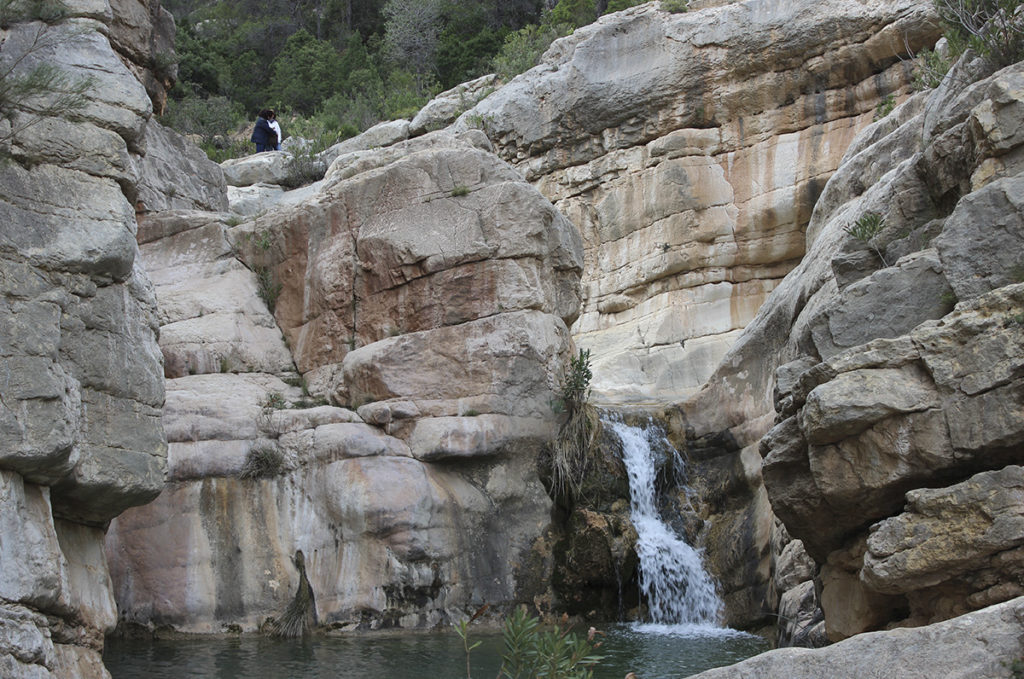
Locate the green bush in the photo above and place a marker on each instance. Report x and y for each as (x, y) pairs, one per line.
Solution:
(211, 119)
(885, 107)
(674, 6)
(571, 450)
(992, 28)
(867, 226)
(931, 68)
(523, 49)
(267, 287)
(572, 13)
(619, 5)
(536, 651)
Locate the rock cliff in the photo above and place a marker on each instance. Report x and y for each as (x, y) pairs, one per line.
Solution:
(363, 369)
(689, 149)
(81, 388)
(899, 416)
(424, 287)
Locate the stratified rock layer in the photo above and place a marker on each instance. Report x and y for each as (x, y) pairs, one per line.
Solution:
(689, 149)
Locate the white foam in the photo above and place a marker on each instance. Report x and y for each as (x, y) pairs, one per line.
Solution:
(673, 581)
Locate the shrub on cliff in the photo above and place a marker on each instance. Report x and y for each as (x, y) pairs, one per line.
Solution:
(29, 94)
(992, 28)
(571, 450)
(264, 460)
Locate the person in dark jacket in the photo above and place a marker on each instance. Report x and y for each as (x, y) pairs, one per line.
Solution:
(263, 135)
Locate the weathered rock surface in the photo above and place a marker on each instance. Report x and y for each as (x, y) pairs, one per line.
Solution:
(449, 105)
(960, 544)
(81, 384)
(911, 403)
(352, 273)
(382, 134)
(271, 167)
(981, 644)
(177, 175)
(438, 315)
(689, 150)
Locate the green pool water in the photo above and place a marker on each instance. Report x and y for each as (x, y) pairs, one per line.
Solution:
(651, 652)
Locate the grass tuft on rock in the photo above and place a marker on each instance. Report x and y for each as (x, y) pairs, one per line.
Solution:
(571, 450)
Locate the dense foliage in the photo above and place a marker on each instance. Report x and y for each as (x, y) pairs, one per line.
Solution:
(335, 67)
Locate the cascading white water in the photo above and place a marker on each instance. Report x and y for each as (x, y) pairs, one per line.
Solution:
(672, 577)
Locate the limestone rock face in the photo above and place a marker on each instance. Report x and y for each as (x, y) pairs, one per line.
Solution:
(449, 105)
(873, 400)
(270, 167)
(177, 175)
(960, 544)
(382, 134)
(689, 150)
(980, 644)
(82, 387)
(424, 294)
(353, 274)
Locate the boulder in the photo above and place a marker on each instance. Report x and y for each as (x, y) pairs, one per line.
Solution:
(959, 534)
(500, 364)
(271, 167)
(354, 270)
(450, 104)
(981, 241)
(382, 134)
(253, 200)
(980, 644)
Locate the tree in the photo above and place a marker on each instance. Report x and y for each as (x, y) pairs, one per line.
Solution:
(411, 30)
(305, 73)
(574, 13)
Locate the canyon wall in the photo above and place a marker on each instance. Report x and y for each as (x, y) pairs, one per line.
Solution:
(81, 388)
(422, 296)
(689, 149)
(890, 367)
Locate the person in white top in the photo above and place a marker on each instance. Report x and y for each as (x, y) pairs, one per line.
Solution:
(276, 127)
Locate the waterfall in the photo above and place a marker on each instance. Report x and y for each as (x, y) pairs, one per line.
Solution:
(672, 577)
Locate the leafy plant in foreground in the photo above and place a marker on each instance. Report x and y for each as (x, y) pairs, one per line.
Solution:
(536, 651)
(42, 90)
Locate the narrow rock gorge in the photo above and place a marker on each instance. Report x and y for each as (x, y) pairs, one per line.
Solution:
(204, 371)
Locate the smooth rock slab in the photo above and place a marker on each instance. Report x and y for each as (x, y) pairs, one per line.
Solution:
(442, 438)
(980, 644)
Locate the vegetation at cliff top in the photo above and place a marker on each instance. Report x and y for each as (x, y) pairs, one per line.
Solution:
(993, 29)
(333, 68)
